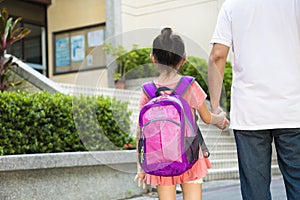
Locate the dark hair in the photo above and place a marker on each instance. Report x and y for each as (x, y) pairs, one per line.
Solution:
(168, 48)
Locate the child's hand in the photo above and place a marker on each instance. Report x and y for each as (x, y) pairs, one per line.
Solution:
(206, 154)
(223, 124)
(141, 178)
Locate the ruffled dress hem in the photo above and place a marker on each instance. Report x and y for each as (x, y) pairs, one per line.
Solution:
(199, 170)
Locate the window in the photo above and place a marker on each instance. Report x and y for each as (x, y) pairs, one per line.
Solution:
(33, 48)
(79, 49)
(29, 49)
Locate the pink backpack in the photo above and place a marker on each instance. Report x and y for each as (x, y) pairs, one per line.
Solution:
(169, 143)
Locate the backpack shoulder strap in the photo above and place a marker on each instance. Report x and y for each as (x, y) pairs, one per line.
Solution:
(184, 84)
(149, 89)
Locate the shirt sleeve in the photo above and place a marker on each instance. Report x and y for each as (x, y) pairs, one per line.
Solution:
(195, 96)
(223, 31)
(143, 99)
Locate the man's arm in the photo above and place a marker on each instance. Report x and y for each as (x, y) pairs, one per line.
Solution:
(216, 67)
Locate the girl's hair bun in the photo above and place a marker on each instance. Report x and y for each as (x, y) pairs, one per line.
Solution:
(168, 48)
(166, 34)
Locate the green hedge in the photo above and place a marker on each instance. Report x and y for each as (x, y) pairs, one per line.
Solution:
(45, 123)
(227, 82)
(132, 64)
(136, 64)
(198, 67)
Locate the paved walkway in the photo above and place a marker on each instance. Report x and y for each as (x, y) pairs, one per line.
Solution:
(227, 190)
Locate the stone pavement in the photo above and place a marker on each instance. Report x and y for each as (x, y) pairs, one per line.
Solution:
(226, 190)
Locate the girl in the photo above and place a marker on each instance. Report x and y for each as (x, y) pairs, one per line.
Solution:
(168, 53)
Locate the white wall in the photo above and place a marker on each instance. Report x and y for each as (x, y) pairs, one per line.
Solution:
(64, 15)
(193, 19)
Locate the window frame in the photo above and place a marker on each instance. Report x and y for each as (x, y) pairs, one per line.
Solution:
(75, 66)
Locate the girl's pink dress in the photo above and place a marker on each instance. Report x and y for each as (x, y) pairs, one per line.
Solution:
(195, 96)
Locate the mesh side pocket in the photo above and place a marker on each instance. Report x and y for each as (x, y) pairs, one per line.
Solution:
(192, 146)
(141, 150)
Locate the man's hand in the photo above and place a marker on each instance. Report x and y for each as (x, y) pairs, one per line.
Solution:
(222, 124)
(216, 110)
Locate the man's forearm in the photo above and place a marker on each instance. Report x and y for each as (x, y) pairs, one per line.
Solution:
(216, 67)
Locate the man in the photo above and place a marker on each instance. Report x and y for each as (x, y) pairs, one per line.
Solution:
(264, 36)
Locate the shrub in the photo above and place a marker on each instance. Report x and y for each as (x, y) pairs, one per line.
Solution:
(227, 82)
(131, 64)
(139, 64)
(46, 123)
(196, 67)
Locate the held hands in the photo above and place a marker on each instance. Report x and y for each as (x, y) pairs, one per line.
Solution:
(141, 178)
(216, 110)
(222, 124)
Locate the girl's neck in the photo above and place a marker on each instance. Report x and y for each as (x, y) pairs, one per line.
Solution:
(168, 77)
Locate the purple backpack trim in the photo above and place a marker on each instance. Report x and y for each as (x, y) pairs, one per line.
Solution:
(182, 86)
(168, 144)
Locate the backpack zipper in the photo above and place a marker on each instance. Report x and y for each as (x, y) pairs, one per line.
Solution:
(156, 120)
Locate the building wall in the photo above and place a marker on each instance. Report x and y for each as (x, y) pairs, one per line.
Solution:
(194, 19)
(141, 21)
(71, 14)
(24, 9)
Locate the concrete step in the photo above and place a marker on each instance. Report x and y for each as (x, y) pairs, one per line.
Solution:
(275, 170)
(230, 173)
(214, 138)
(227, 154)
(216, 154)
(214, 131)
(221, 174)
(221, 146)
(224, 163)
(230, 163)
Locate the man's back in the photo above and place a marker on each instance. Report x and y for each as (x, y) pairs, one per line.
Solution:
(265, 38)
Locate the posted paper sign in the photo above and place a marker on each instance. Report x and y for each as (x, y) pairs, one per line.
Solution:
(62, 52)
(95, 38)
(77, 47)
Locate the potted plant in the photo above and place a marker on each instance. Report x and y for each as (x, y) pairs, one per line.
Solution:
(9, 34)
(117, 53)
(131, 64)
(119, 80)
